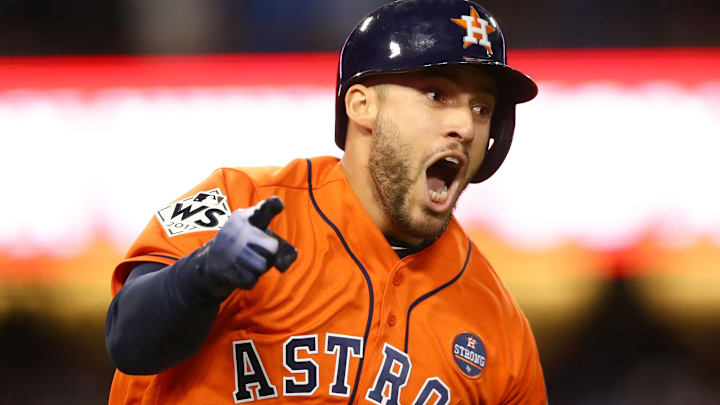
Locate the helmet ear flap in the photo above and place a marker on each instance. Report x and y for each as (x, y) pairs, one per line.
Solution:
(501, 136)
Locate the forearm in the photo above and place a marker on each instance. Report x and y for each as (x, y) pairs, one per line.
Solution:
(160, 317)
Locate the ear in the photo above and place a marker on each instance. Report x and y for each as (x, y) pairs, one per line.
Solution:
(361, 106)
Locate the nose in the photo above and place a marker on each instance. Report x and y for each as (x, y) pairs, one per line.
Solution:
(460, 124)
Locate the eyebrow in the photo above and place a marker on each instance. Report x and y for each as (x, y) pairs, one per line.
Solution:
(457, 80)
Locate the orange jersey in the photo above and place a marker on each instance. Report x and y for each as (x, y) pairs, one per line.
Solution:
(349, 321)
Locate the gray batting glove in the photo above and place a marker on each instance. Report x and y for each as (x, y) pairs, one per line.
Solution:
(243, 250)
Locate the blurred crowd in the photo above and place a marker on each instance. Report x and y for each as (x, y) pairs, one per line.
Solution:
(228, 26)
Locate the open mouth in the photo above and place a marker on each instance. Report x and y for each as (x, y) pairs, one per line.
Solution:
(441, 177)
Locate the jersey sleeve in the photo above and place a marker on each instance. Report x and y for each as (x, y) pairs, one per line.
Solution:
(181, 227)
(526, 380)
(529, 387)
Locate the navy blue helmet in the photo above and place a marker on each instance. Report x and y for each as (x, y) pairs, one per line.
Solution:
(408, 35)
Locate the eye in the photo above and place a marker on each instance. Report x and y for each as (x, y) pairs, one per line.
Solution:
(482, 110)
(436, 95)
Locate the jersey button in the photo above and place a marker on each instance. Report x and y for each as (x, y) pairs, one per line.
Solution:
(397, 280)
(392, 320)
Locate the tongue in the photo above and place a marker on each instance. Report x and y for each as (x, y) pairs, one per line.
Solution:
(435, 184)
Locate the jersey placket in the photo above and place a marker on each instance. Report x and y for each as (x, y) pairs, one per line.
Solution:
(389, 327)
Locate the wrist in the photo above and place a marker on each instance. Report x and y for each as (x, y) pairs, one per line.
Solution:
(198, 278)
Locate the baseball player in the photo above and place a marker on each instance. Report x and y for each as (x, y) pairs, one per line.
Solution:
(343, 281)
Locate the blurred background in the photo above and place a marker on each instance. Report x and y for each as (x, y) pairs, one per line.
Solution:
(604, 220)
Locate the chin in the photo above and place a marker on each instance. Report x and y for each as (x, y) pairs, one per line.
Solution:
(428, 225)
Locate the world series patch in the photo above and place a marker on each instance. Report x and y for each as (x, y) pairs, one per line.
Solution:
(204, 211)
(469, 354)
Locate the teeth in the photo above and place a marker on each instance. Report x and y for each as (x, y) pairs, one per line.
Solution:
(453, 160)
(439, 197)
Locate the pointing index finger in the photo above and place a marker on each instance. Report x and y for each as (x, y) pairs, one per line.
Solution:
(266, 212)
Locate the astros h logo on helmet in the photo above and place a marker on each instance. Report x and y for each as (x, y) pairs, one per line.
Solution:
(477, 30)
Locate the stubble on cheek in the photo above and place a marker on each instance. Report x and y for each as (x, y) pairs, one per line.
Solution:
(389, 168)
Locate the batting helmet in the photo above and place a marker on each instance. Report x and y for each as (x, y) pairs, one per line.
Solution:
(408, 35)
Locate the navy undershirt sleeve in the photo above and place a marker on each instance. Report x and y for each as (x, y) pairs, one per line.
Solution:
(160, 317)
(163, 314)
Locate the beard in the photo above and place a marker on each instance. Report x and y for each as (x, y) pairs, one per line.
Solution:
(393, 175)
